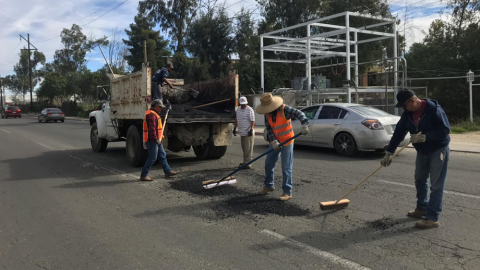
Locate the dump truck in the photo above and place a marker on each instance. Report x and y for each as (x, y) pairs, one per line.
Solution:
(208, 129)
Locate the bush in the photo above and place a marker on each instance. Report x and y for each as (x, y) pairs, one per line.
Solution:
(466, 126)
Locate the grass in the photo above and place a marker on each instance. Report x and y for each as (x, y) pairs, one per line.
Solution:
(466, 126)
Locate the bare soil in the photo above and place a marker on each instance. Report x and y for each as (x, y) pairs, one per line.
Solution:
(469, 137)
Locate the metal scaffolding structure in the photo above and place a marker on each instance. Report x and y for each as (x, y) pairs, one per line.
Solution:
(330, 40)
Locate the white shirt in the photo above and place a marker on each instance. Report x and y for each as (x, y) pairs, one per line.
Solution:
(245, 117)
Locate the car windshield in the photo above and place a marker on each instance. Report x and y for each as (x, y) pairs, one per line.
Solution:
(13, 108)
(368, 111)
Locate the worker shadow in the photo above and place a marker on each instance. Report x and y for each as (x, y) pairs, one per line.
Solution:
(325, 240)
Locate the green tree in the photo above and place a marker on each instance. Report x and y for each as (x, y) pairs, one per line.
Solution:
(61, 79)
(210, 40)
(247, 43)
(22, 74)
(190, 69)
(142, 30)
(173, 16)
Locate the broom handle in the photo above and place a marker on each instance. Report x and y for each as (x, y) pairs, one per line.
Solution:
(164, 123)
(208, 104)
(257, 158)
(366, 178)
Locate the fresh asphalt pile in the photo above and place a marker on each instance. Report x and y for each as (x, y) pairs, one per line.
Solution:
(229, 201)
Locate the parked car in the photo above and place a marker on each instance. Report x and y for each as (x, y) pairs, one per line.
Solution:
(348, 128)
(11, 111)
(51, 114)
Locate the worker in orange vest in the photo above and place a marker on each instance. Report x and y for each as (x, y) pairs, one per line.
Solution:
(278, 126)
(152, 140)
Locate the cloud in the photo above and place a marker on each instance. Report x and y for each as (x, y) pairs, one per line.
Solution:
(45, 19)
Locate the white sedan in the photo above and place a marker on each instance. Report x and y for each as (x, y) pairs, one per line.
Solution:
(348, 128)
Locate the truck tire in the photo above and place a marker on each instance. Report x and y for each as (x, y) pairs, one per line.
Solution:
(98, 144)
(202, 151)
(217, 152)
(136, 155)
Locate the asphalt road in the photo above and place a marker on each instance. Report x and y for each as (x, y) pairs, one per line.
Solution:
(62, 206)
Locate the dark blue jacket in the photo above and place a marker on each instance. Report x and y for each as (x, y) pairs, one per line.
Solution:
(433, 124)
(159, 75)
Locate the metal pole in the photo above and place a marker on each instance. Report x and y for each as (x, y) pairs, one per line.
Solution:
(113, 74)
(386, 87)
(30, 74)
(356, 66)
(426, 92)
(395, 67)
(471, 104)
(1, 93)
(262, 79)
(347, 38)
(144, 52)
(309, 69)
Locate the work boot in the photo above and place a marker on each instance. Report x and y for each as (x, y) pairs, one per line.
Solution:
(427, 224)
(146, 178)
(285, 197)
(240, 165)
(171, 174)
(265, 190)
(417, 213)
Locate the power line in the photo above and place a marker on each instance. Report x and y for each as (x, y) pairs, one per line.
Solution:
(92, 20)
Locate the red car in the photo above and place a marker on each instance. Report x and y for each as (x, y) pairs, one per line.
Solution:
(11, 111)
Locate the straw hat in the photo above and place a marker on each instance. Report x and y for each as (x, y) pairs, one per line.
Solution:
(268, 103)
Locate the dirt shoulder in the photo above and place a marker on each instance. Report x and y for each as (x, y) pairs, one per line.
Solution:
(469, 137)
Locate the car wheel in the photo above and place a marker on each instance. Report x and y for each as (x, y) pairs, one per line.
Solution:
(345, 145)
(55, 121)
(98, 144)
(39, 120)
(62, 121)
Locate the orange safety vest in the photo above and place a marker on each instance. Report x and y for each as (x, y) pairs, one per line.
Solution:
(145, 127)
(282, 128)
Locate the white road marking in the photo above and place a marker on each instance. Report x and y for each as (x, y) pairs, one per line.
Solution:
(446, 191)
(114, 171)
(317, 252)
(46, 146)
(4, 130)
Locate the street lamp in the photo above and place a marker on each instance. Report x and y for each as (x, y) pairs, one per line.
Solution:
(470, 78)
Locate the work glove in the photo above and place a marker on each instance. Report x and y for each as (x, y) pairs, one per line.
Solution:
(159, 142)
(250, 133)
(276, 145)
(305, 129)
(235, 131)
(418, 138)
(387, 159)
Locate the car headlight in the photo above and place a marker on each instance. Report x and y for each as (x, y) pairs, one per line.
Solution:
(372, 124)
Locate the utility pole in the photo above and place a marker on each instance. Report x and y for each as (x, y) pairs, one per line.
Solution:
(30, 68)
(1, 92)
(470, 78)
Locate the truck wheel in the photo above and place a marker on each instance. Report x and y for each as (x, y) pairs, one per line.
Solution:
(217, 151)
(202, 151)
(136, 155)
(98, 144)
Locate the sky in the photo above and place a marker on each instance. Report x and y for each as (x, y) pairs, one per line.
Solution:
(45, 19)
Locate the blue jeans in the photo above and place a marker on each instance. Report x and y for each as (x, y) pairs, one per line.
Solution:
(156, 91)
(433, 166)
(155, 151)
(286, 152)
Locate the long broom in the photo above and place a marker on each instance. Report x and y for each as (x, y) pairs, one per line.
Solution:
(231, 179)
(342, 202)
